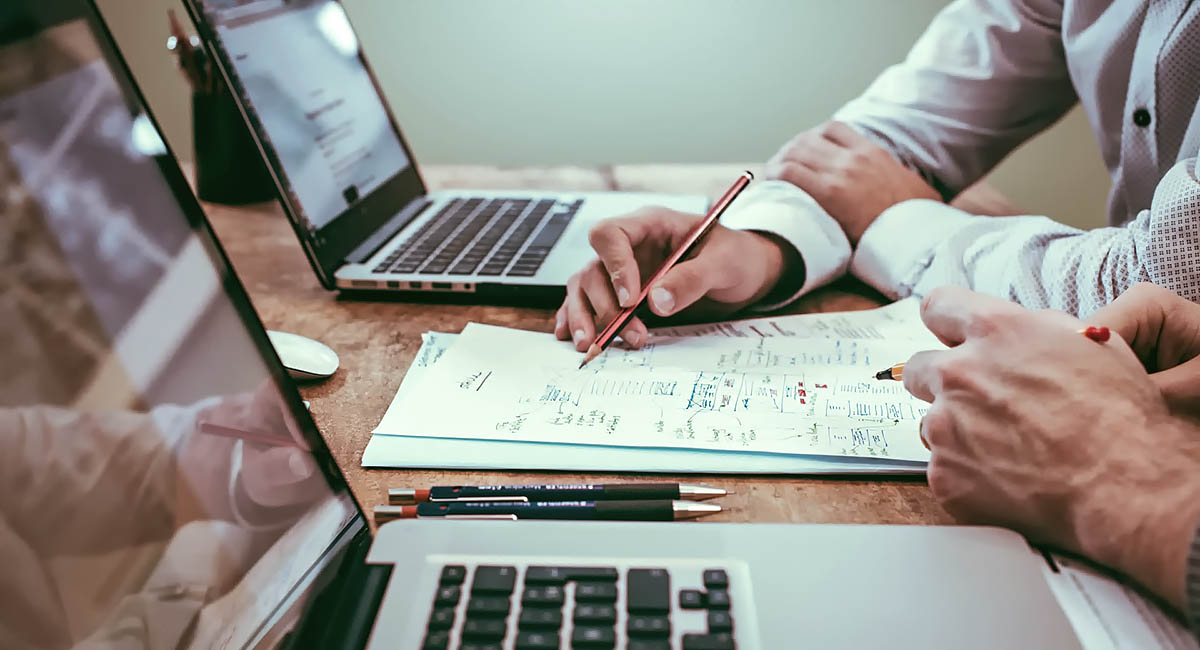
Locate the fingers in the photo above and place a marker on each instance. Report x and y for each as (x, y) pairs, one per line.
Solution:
(273, 476)
(954, 314)
(1180, 387)
(614, 241)
(921, 377)
(589, 306)
(683, 285)
(580, 316)
(1162, 328)
(842, 135)
(796, 173)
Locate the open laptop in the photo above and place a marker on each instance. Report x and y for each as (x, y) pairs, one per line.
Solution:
(164, 486)
(349, 183)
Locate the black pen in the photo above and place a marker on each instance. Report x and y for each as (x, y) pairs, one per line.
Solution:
(569, 492)
(576, 510)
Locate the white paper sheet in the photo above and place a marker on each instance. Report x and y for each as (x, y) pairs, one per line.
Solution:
(1110, 615)
(769, 395)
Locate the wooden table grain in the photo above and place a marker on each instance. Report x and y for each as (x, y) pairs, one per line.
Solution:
(377, 341)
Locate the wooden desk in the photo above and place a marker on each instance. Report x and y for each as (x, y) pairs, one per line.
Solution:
(377, 341)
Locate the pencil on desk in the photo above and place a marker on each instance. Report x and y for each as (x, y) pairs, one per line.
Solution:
(249, 436)
(693, 240)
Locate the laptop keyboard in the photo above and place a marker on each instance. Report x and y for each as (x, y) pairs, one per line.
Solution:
(554, 607)
(478, 236)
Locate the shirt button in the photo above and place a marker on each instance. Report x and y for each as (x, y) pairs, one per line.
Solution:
(1141, 117)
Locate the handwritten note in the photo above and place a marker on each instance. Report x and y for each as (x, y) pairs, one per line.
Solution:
(899, 320)
(782, 394)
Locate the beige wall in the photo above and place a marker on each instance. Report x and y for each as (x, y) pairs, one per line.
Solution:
(567, 81)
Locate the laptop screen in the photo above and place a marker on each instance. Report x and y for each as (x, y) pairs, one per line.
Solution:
(311, 101)
(161, 485)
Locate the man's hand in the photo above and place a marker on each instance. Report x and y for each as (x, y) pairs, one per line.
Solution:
(1164, 330)
(1067, 441)
(849, 175)
(733, 269)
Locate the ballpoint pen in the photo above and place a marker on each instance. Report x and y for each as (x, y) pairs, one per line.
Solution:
(663, 510)
(577, 491)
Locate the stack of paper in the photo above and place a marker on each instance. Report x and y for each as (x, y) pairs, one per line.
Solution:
(789, 394)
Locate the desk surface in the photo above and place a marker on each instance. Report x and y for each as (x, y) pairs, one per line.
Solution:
(377, 341)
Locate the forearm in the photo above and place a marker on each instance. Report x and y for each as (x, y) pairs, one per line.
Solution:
(89, 481)
(983, 78)
(916, 246)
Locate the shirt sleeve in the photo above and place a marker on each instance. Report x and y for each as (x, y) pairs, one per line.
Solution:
(985, 76)
(788, 212)
(916, 246)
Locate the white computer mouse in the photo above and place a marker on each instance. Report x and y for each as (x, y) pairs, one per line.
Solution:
(303, 357)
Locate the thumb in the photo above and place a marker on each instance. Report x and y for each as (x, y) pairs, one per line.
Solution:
(683, 285)
(278, 476)
(1180, 387)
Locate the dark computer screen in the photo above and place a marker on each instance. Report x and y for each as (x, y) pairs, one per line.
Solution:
(160, 484)
(299, 70)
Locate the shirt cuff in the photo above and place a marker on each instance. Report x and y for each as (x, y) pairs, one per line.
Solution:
(788, 212)
(900, 244)
(1192, 582)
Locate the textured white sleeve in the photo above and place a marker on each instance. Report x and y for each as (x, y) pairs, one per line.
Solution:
(916, 246)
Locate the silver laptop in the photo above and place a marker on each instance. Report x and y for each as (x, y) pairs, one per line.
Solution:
(349, 183)
(177, 494)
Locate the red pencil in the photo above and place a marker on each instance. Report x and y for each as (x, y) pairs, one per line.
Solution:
(693, 241)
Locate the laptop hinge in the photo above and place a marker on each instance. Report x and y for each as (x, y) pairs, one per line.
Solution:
(384, 233)
(342, 612)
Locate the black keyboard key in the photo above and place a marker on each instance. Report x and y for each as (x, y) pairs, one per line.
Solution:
(649, 591)
(593, 637)
(436, 640)
(453, 575)
(716, 579)
(484, 629)
(718, 599)
(722, 641)
(557, 575)
(548, 596)
(494, 580)
(595, 614)
(522, 272)
(491, 270)
(486, 606)
(447, 596)
(480, 646)
(537, 641)
(441, 618)
(534, 618)
(719, 621)
(691, 599)
(596, 592)
(649, 644)
(658, 627)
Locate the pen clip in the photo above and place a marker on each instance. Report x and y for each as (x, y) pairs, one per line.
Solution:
(496, 517)
(504, 499)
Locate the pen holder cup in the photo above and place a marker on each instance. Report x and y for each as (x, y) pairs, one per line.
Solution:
(229, 166)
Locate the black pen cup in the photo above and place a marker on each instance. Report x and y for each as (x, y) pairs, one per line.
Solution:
(229, 167)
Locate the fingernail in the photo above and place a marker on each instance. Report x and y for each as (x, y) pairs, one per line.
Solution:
(663, 300)
(298, 464)
(579, 335)
(623, 296)
(632, 338)
(559, 323)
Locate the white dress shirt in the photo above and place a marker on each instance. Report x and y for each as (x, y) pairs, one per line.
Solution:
(984, 77)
